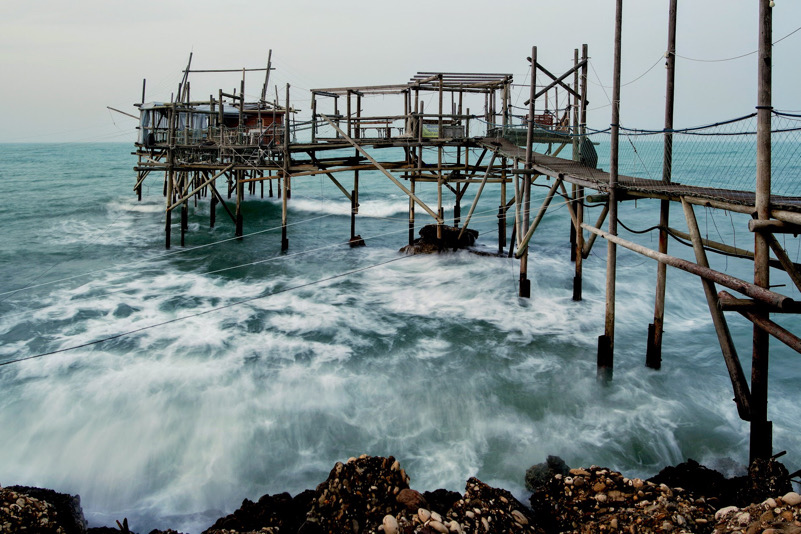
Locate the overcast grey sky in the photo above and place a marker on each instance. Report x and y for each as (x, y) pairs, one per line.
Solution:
(64, 62)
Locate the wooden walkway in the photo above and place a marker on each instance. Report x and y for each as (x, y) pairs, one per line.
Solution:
(577, 173)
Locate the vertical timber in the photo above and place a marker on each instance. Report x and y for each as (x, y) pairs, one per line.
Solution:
(653, 353)
(606, 342)
(761, 428)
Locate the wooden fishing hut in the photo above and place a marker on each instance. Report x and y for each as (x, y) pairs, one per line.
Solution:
(191, 165)
(196, 142)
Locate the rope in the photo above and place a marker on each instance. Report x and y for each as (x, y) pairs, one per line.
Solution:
(204, 312)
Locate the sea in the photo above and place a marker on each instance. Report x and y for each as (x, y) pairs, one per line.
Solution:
(166, 386)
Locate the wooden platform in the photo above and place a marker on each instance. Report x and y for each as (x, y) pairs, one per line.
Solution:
(577, 173)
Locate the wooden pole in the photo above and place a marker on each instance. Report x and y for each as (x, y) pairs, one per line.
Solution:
(239, 194)
(525, 283)
(761, 428)
(741, 286)
(653, 353)
(285, 176)
(741, 393)
(582, 126)
(606, 342)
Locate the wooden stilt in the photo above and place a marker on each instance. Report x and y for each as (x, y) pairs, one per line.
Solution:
(239, 194)
(653, 353)
(761, 428)
(606, 342)
(525, 283)
(741, 393)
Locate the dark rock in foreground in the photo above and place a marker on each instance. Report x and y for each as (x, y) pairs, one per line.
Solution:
(428, 243)
(372, 495)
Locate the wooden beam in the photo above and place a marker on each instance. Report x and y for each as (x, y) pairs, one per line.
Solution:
(739, 384)
(741, 286)
(383, 170)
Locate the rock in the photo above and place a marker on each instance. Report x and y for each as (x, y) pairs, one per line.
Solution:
(791, 499)
(486, 509)
(428, 243)
(439, 527)
(696, 479)
(411, 499)
(538, 475)
(280, 512)
(67, 512)
(423, 514)
(390, 525)
(361, 490)
(441, 499)
(610, 502)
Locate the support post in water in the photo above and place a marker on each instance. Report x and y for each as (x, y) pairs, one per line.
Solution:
(582, 130)
(606, 342)
(355, 240)
(653, 352)
(761, 428)
(525, 283)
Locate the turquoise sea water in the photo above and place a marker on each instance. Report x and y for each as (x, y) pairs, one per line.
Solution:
(338, 351)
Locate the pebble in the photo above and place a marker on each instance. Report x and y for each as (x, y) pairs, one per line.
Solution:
(423, 514)
(519, 517)
(439, 527)
(792, 499)
(390, 525)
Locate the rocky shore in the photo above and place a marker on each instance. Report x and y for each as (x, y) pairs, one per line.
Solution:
(372, 495)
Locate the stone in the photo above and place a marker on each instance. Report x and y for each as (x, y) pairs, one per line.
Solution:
(439, 527)
(723, 512)
(423, 514)
(519, 517)
(791, 498)
(411, 499)
(390, 525)
(537, 476)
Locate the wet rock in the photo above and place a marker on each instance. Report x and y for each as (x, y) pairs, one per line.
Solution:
(360, 490)
(23, 513)
(772, 516)
(66, 509)
(279, 512)
(539, 475)
(697, 480)
(441, 499)
(766, 478)
(411, 499)
(428, 243)
(608, 501)
(491, 510)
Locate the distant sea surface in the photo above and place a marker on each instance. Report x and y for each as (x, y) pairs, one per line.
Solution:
(232, 370)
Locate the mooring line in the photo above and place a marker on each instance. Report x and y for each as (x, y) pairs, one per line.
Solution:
(204, 312)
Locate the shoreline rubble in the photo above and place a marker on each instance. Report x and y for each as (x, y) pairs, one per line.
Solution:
(371, 494)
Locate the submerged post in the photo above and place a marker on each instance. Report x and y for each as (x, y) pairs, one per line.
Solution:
(525, 283)
(761, 428)
(653, 353)
(606, 342)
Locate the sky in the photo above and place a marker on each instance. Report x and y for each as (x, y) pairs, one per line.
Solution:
(63, 63)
